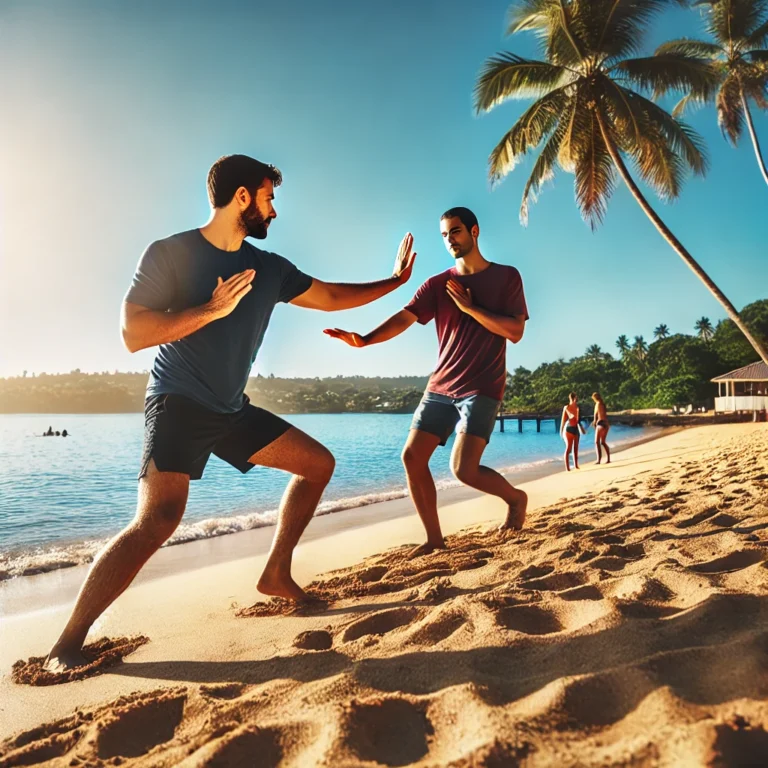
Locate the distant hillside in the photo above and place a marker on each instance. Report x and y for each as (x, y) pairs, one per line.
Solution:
(77, 392)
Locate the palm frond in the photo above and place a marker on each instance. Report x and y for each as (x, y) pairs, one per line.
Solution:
(660, 166)
(682, 105)
(758, 38)
(685, 46)
(730, 112)
(543, 168)
(508, 76)
(528, 132)
(552, 22)
(530, 15)
(595, 172)
(654, 120)
(624, 23)
(731, 21)
(753, 79)
(671, 72)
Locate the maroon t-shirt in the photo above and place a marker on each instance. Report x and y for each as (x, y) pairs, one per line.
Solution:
(472, 359)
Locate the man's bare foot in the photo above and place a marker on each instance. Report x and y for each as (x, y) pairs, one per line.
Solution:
(427, 548)
(62, 661)
(281, 586)
(516, 512)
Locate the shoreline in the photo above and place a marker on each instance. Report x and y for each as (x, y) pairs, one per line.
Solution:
(33, 593)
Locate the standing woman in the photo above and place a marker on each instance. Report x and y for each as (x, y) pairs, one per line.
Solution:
(601, 425)
(569, 429)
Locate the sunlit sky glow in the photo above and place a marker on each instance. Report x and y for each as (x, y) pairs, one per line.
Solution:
(113, 112)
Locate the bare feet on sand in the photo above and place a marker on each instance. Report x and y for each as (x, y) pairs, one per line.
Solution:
(62, 661)
(516, 512)
(426, 549)
(277, 585)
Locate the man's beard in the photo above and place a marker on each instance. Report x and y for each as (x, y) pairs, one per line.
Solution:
(253, 222)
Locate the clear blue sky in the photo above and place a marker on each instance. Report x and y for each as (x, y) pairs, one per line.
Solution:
(113, 112)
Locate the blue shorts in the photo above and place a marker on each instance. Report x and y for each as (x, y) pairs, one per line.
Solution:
(439, 415)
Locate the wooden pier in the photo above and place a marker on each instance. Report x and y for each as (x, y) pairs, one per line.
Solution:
(537, 417)
(630, 419)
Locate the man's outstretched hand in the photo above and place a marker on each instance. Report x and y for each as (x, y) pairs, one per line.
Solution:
(350, 337)
(405, 258)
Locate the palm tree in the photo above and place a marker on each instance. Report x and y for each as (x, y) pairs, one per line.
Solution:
(739, 29)
(623, 344)
(594, 352)
(640, 348)
(661, 332)
(704, 329)
(587, 115)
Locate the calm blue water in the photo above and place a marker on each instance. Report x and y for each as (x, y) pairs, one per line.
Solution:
(58, 495)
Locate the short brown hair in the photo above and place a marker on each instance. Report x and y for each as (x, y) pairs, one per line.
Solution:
(231, 172)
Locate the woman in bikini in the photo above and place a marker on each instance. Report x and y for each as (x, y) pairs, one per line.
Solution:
(601, 425)
(569, 429)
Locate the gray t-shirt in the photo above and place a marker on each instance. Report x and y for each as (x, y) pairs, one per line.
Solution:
(212, 365)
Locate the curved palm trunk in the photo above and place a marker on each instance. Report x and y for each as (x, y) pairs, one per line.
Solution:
(753, 134)
(673, 241)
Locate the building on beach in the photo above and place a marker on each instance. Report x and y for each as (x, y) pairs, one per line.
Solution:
(745, 389)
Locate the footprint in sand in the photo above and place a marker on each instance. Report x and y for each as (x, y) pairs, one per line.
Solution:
(437, 626)
(246, 746)
(609, 563)
(388, 731)
(529, 619)
(735, 561)
(223, 690)
(100, 655)
(134, 729)
(585, 592)
(536, 571)
(313, 640)
(380, 623)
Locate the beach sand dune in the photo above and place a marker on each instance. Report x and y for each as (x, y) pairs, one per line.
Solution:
(623, 627)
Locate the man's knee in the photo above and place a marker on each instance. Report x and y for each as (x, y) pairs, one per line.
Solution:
(321, 466)
(413, 459)
(159, 520)
(464, 472)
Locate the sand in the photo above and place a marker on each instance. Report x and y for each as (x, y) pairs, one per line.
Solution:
(626, 625)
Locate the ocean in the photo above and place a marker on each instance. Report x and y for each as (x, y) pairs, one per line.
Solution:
(60, 498)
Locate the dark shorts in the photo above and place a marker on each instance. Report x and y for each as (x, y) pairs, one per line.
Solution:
(572, 430)
(439, 415)
(602, 423)
(180, 435)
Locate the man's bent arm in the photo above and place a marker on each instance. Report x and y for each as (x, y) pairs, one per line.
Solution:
(331, 297)
(143, 327)
(387, 330)
(509, 326)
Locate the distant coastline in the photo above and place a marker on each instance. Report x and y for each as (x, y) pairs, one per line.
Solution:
(85, 393)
